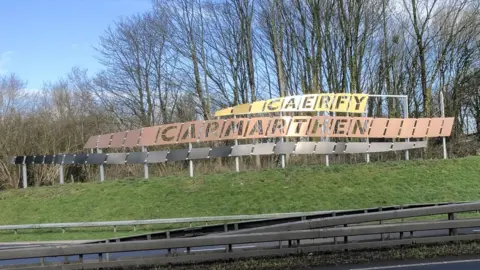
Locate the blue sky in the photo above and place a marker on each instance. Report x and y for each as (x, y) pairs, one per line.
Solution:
(41, 40)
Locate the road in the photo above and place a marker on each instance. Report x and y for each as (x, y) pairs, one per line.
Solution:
(445, 263)
(428, 265)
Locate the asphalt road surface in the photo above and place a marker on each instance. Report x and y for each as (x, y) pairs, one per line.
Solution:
(446, 263)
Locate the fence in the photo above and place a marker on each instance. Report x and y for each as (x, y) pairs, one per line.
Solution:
(241, 221)
(190, 220)
(304, 236)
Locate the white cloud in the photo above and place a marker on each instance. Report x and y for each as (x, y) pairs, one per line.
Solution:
(5, 58)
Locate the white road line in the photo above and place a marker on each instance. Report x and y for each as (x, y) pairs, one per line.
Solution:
(416, 264)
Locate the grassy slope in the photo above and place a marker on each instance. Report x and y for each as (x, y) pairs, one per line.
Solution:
(293, 189)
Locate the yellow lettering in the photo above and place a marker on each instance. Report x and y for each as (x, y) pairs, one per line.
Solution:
(273, 105)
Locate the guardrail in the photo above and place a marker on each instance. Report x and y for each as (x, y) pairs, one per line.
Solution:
(303, 237)
(190, 220)
(243, 221)
(258, 223)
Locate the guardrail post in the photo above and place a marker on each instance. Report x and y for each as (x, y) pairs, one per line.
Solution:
(334, 214)
(80, 258)
(100, 257)
(107, 255)
(380, 209)
(453, 231)
(42, 261)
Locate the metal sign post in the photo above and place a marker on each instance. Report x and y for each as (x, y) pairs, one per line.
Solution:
(60, 174)
(24, 174)
(190, 162)
(145, 166)
(442, 109)
(102, 168)
(237, 161)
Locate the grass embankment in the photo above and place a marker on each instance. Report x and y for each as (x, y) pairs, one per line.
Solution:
(308, 188)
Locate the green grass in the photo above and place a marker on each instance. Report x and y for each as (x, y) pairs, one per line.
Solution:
(304, 188)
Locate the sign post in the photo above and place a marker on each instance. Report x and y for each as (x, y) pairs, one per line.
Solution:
(442, 109)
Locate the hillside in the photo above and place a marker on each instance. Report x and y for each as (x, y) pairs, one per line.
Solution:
(292, 189)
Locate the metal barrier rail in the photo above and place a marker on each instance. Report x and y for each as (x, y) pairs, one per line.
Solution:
(157, 221)
(252, 220)
(257, 223)
(186, 255)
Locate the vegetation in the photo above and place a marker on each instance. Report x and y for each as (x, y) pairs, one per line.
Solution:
(458, 250)
(184, 59)
(299, 188)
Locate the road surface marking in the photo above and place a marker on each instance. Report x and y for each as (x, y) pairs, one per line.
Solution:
(416, 264)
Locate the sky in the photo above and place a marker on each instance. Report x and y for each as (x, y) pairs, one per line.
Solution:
(41, 40)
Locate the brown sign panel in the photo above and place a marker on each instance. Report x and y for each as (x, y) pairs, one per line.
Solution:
(266, 127)
(279, 126)
(447, 126)
(234, 128)
(117, 139)
(421, 127)
(191, 132)
(435, 127)
(257, 128)
(92, 142)
(104, 140)
(132, 138)
(377, 127)
(169, 134)
(298, 126)
(212, 130)
(393, 128)
(149, 136)
(407, 128)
